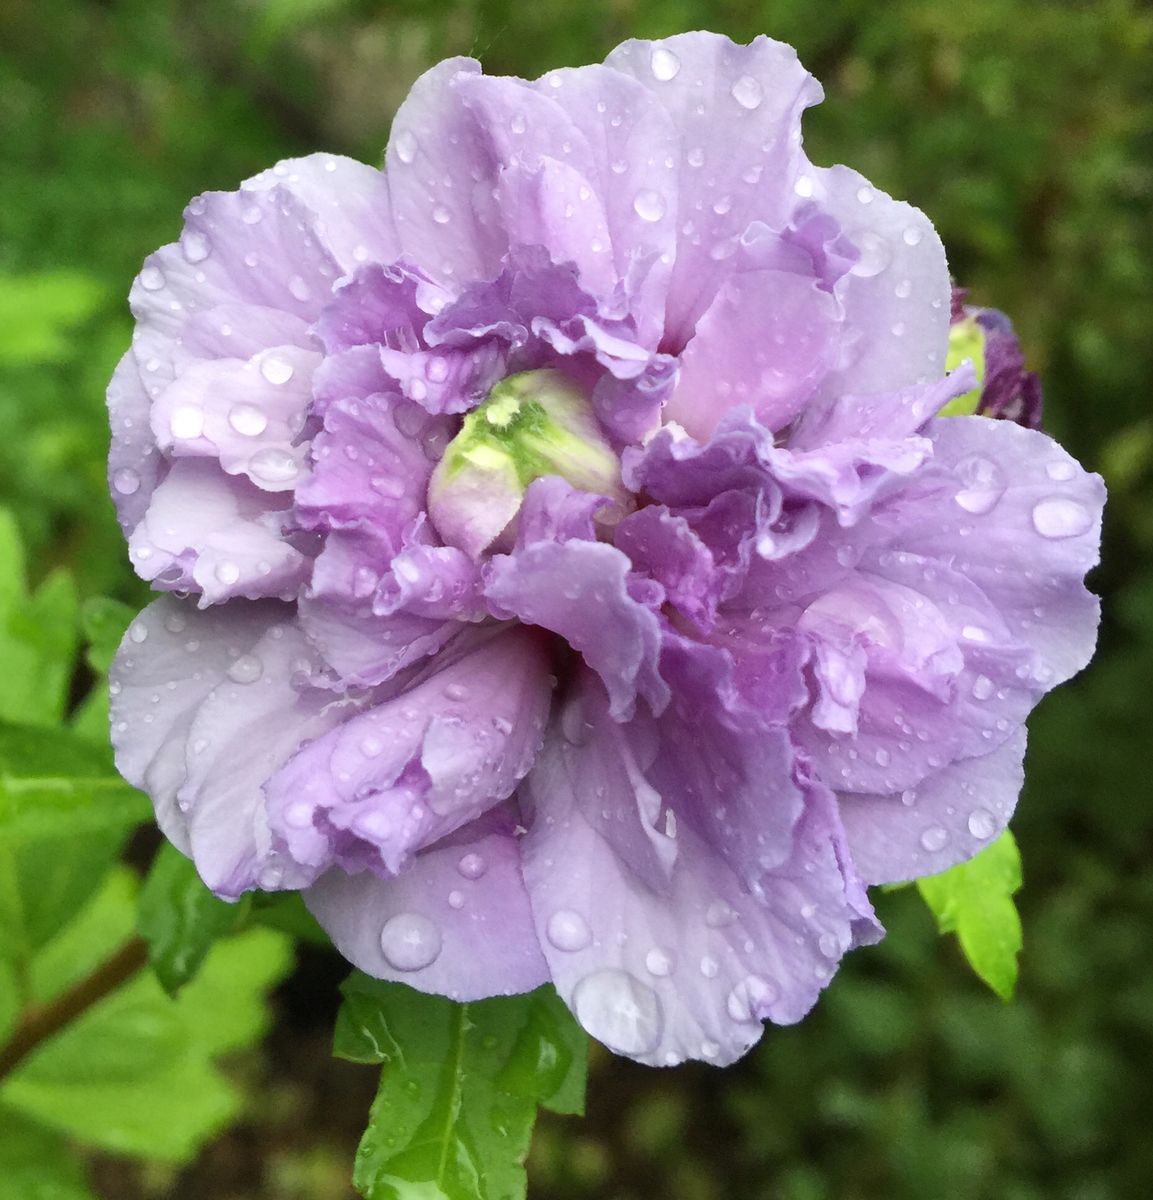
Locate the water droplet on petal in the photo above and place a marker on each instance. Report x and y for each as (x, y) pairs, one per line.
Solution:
(227, 572)
(747, 92)
(472, 866)
(912, 236)
(456, 691)
(828, 945)
(518, 124)
(273, 465)
(568, 930)
(299, 289)
(749, 999)
(934, 838)
(248, 420)
(659, 962)
(138, 632)
(152, 279)
(1060, 471)
(246, 669)
(126, 481)
(875, 255)
(983, 687)
(982, 484)
(437, 369)
(405, 146)
(252, 215)
(720, 915)
(456, 900)
(194, 246)
(709, 967)
(187, 421)
(1059, 517)
(664, 64)
(803, 187)
(410, 942)
(695, 157)
(276, 370)
(620, 1011)
(864, 195)
(982, 824)
(441, 215)
(974, 633)
(649, 205)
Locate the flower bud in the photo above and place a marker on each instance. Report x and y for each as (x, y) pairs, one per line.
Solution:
(532, 424)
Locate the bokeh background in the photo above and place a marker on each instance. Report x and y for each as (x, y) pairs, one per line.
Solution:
(1025, 129)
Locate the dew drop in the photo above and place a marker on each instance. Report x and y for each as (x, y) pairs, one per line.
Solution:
(252, 215)
(299, 289)
(749, 999)
(405, 146)
(747, 92)
(912, 236)
(194, 246)
(472, 866)
(659, 962)
(568, 930)
(138, 632)
(1058, 517)
(437, 370)
(974, 633)
(152, 279)
(227, 572)
(126, 481)
(246, 669)
(934, 838)
(247, 420)
(273, 465)
(828, 945)
(904, 289)
(803, 187)
(187, 421)
(456, 899)
(709, 967)
(410, 942)
(876, 254)
(1060, 472)
(664, 64)
(982, 484)
(982, 824)
(695, 157)
(649, 205)
(720, 915)
(983, 687)
(441, 215)
(518, 124)
(456, 691)
(276, 370)
(618, 1010)
(864, 195)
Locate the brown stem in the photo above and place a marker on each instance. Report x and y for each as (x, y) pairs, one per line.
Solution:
(38, 1024)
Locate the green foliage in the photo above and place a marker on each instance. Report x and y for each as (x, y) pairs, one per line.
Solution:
(459, 1088)
(181, 919)
(974, 900)
(135, 1074)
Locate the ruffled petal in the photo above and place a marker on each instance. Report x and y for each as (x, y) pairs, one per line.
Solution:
(456, 922)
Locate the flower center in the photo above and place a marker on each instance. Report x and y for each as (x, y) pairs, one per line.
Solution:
(530, 425)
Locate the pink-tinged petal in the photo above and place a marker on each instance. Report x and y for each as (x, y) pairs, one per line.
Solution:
(1011, 511)
(441, 178)
(248, 415)
(737, 112)
(896, 296)
(767, 340)
(690, 967)
(944, 820)
(217, 534)
(349, 200)
(456, 922)
(171, 658)
(580, 590)
(436, 753)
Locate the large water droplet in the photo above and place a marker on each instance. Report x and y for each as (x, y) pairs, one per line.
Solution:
(152, 279)
(875, 255)
(276, 370)
(410, 942)
(649, 205)
(194, 246)
(912, 236)
(619, 1010)
(1060, 471)
(982, 824)
(246, 669)
(273, 465)
(405, 146)
(248, 420)
(228, 573)
(299, 289)
(983, 687)
(749, 999)
(472, 866)
(187, 421)
(1059, 517)
(664, 64)
(982, 484)
(659, 962)
(934, 838)
(747, 92)
(126, 481)
(568, 930)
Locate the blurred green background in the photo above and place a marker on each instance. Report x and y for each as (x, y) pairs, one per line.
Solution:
(1025, 129)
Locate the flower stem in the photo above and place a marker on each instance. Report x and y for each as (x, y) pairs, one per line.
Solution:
(39, 1023)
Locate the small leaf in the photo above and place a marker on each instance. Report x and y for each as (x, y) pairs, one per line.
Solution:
(180, 918)
(459, 1087)
(974, 900)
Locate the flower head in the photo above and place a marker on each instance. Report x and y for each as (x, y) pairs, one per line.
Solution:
(583, 587)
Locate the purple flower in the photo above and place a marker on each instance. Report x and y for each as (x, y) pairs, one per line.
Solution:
(583, 588)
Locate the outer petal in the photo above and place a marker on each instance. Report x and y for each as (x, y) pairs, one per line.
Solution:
(945, 820)
(457, 922)
(430, 758)
(689, 970)
(737, 110)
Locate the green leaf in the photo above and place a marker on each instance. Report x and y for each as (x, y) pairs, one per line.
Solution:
(38, 635)
(180, 918)
(286, 911)
(135, 1073)
(974, 900)
(103, 622)
(64, 814)
(459, 1089)
(36, 1163)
